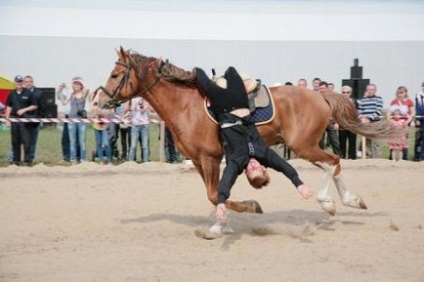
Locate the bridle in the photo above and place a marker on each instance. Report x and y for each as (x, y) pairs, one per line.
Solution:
(114, 96)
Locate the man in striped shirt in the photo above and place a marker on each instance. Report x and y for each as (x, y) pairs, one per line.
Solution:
(370, 109)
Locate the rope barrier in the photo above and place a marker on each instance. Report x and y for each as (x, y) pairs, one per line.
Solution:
(75, 120)
(87, 120)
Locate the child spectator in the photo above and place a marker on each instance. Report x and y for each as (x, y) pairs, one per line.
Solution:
(398, 118)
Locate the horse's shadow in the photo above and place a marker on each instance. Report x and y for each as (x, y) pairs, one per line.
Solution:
(298, 224)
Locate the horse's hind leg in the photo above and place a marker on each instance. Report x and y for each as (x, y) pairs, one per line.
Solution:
(324, 199)
(348, 198)
(330, 163)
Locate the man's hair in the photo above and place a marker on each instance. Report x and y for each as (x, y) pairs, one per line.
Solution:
(372, 84)
(316, 78)
(323, 83)
(347, 88)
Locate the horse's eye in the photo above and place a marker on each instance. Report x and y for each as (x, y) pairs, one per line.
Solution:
(114, 75)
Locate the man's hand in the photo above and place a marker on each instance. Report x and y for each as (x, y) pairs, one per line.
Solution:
(221, 212)
(304, 191)
(21, 112)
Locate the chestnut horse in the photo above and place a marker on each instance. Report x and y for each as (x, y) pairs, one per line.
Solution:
(301, 116)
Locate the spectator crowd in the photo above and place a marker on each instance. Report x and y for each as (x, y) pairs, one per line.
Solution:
(120, 141)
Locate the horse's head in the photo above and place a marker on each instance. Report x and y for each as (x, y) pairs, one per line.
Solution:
(128, 79)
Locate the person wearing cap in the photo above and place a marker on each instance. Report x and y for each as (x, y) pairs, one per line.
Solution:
(240, 138)
(77, 131)
(20, 104)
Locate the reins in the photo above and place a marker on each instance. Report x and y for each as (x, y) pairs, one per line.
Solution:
(114, 96)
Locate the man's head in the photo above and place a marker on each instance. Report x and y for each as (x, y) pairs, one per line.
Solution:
(370, 90)
(19, 82)
(256, 174)
(302, 83)
(28, 82)
(323, 87)
(331, 87)
(315, 83)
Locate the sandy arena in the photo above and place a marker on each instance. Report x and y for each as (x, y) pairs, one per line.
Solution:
(138, 222)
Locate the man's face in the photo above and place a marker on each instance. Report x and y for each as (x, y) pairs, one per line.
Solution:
(323, 88)
(315, 84)
(371, 89)
(302, 83)
(19, 84)
(28, 83)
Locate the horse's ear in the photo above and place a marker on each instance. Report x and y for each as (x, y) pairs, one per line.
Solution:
(122, 54)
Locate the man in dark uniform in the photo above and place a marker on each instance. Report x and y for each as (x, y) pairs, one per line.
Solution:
(240, 137)
(39, 113)
(20, 103)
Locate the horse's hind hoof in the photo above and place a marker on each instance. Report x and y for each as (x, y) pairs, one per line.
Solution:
(253, 206)
(362, 205)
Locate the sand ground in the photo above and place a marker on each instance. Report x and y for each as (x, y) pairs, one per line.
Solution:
(137, 223)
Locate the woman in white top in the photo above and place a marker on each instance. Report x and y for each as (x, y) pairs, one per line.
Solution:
(140, 109)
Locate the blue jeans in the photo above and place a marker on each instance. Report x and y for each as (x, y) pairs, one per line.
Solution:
(103, 145)
(80, 129)
(421, 156)
(33, 141)
(136, 132)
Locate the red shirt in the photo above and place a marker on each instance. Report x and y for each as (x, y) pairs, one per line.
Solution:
(406, 102)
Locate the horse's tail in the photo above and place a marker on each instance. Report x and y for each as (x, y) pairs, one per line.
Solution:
(345, 114)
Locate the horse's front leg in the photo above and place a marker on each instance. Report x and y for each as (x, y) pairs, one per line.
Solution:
(209, 169)
(348, 198)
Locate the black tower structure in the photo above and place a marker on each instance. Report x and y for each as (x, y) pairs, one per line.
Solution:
(356, 81)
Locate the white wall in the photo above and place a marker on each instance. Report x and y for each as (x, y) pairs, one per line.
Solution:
(285, 41)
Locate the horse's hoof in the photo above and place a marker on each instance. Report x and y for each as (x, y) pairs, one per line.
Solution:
(355, 202)
(206, 234)
(212, 233)
(327, 204)
(253, 206)
(362, 205)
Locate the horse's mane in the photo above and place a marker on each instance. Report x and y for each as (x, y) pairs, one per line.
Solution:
(166, 70)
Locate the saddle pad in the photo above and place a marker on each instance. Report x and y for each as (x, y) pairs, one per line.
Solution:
(261, 97)
(261, 115)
